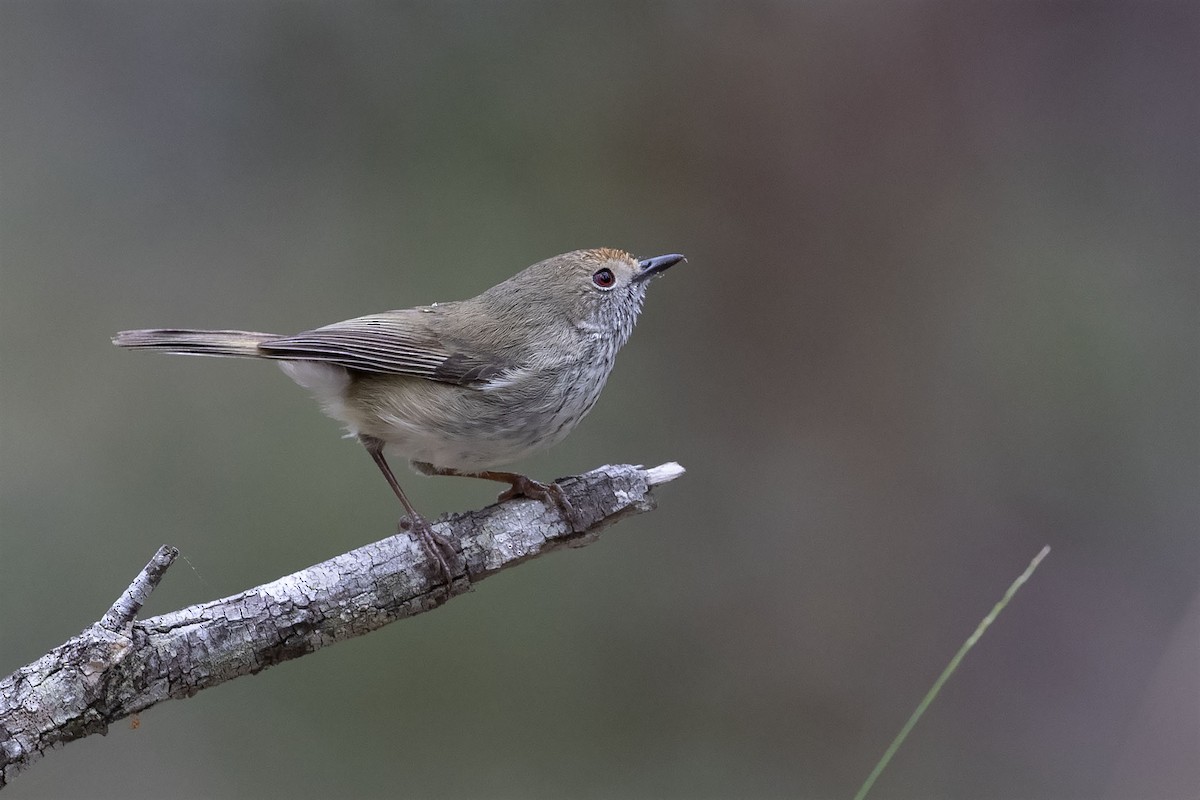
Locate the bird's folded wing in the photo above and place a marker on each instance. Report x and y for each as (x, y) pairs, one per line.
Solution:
(389, 343)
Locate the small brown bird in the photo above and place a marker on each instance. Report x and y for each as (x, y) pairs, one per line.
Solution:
(460, 387)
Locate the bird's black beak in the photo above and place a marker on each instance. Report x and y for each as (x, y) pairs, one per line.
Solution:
(653, 266)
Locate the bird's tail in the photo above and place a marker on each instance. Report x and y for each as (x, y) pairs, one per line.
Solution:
(195, 343)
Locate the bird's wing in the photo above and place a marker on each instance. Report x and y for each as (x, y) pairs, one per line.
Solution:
(397, 342)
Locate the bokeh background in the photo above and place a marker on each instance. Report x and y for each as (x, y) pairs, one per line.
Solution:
(941, 309)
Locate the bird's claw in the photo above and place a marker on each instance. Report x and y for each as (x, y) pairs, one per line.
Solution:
(549, 493)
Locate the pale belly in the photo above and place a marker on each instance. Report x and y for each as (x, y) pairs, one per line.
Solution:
(455, 427)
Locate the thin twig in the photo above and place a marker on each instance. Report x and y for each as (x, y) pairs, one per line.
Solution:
(135, 596)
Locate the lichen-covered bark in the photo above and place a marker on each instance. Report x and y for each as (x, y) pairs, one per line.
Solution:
(119, 666)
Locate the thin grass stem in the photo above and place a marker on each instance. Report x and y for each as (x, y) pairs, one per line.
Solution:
(947, 672)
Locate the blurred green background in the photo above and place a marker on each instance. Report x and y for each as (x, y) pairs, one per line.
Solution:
(941, 309)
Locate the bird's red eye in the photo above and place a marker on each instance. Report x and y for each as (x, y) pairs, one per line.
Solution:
(604, 278)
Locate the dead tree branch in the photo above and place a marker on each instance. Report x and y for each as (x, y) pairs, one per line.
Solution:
(119, 665)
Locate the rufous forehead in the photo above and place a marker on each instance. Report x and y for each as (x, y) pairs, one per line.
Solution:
(611, 254)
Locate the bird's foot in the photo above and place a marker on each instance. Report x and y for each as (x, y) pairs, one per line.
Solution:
(440, 548)
(549, 493)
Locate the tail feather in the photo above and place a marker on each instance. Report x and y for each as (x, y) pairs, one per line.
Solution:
(195, 342)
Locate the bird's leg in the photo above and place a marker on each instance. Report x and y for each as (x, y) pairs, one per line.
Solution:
(434, 543)
(519, 486)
